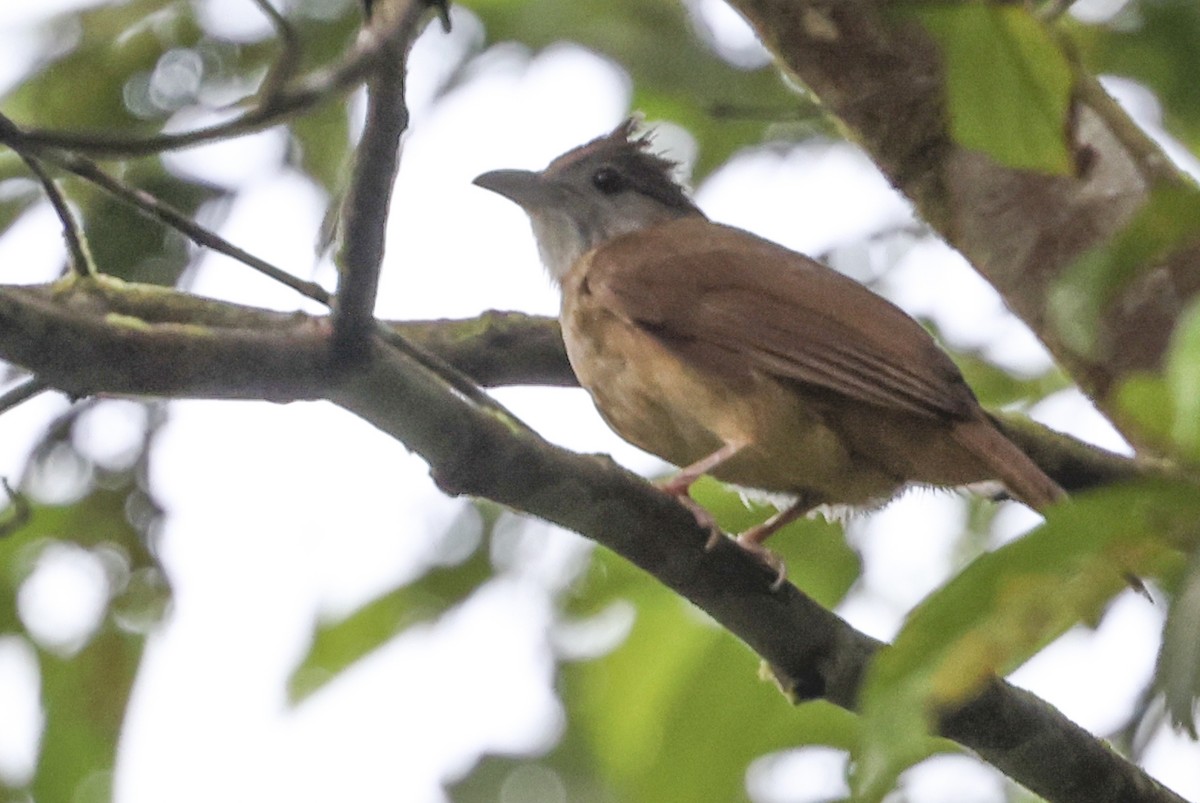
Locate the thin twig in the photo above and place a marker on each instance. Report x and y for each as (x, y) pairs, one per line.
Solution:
(304, 93)
(79, 256)
(1153, 165)
(284, 67)
(455, 378)
(170, 216)
(157, 209)
(21, 392)
(19, 512)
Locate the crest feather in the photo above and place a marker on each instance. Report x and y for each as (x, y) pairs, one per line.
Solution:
(628, 151)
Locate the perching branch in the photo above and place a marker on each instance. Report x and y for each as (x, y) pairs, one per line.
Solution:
(98, 335)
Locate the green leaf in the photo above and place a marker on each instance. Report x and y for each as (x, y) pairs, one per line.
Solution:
(1165, 410)
(1008, 84)
(564, 774)
(323, 141)
(84, 698)
(337, 645)
(677, 712)
(1009, 604)
(1178, 671)
(16, 196)
(1146, 408)
(1182, 376)
(1168, 221)
(84, 695)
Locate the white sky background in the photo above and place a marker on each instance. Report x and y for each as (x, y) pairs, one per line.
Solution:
(319, 512)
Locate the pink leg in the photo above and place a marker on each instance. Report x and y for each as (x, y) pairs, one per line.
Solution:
(679, 484)
(678, 487)
(756, 535)
(752, 540)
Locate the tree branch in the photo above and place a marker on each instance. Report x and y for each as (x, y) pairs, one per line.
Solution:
(495, 349)
(99, 335)
(364, 213)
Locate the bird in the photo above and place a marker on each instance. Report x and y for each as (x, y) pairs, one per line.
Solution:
(727, 354)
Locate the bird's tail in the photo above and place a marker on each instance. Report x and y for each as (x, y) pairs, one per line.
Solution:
(1023, 478)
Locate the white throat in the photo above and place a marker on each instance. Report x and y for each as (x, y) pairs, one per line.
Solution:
(559, 243)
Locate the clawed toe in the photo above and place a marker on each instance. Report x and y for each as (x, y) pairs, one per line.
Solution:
(715, 537)
(704, 519)
(751, 540)
(771, 560)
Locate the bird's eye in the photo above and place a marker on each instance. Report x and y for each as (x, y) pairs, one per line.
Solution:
(608, 181)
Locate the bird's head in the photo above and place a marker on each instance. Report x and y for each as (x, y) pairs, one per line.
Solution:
(610, 186)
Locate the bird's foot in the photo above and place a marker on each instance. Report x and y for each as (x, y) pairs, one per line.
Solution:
(751, 540)
(752, 543)
(703, 518)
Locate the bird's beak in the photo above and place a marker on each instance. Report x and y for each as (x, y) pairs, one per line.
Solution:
(523, 187)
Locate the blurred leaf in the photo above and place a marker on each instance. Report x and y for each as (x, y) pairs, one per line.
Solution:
(1009, 604)
(322, 141)
(1183, 384)
(1165, 410)
(84, 698)
(819, 561)
(97, 519)
(84, 88)
(565, 774)
(1168, 221)
(16, 196)
(677, 711)
(129, 245)
(1146, 407)
(85, 695)
(1008, 84)
(1154, 42)
(337, 645)
(1178, 671)
(675, 76)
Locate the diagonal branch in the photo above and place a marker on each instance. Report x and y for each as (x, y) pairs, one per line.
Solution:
(102, 336)
(80, 258)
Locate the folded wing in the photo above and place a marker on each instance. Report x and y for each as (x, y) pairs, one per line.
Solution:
(727, 300)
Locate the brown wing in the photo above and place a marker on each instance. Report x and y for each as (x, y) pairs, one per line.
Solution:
(721, 297)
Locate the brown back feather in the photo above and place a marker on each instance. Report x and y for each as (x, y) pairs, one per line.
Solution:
(727, 300)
